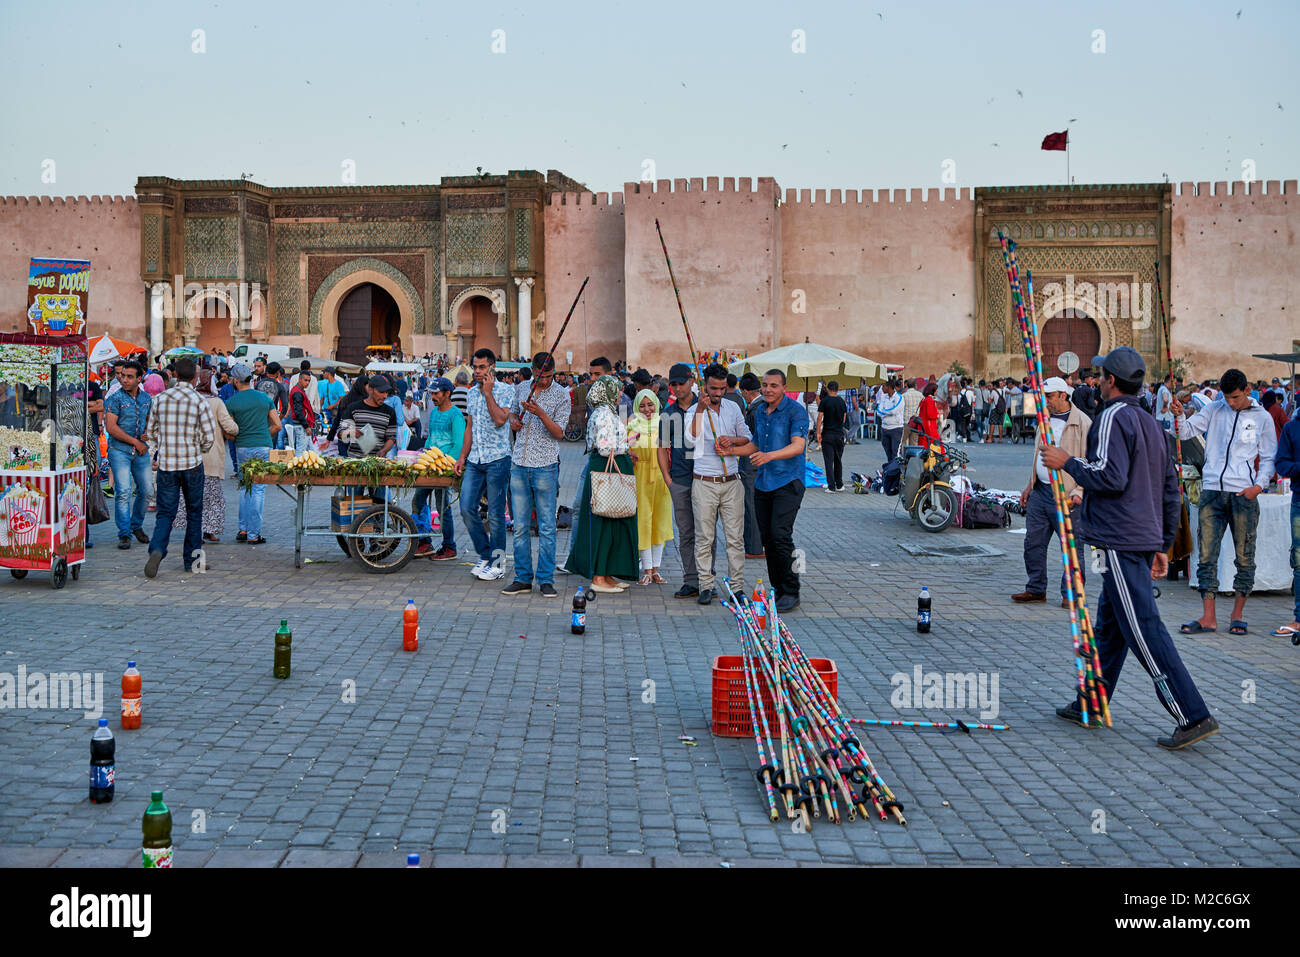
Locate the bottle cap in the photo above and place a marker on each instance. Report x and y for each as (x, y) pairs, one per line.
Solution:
(410, 601)
(103, 722)
(412, 860)
(130, 664)
(284, 622)
(157, 797)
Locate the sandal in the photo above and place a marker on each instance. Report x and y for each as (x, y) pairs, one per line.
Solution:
(645, 579)
(1196, 628)
(242, 537)
(1286, 631)
(658, 579)
(1237, 628)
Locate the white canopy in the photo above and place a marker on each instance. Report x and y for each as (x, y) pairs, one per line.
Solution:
(377, 366)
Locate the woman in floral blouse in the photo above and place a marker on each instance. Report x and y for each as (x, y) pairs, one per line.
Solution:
(603, 549)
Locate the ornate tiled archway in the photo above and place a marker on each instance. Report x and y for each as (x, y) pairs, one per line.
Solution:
(324, 314)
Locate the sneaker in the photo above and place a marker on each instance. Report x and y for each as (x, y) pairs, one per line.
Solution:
(444, 554)
(706, 596)
(1071, 712)
(517, 588)
(1189, 734)
(548, 591)
(124, 542)
(787, 603)
(490, 572)
(424, 550)
(686, 591)
(478, 570)
(151, 566)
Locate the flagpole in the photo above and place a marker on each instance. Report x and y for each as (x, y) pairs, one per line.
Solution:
(1067, 156)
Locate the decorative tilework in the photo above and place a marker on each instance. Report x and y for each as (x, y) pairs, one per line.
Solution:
(212, 248)
(292, 239)
(356, 265)
(476, 244)
(152, 240)
(166, 245)
(476, 201)
(255, 250)
(523, 237)
(212, 204)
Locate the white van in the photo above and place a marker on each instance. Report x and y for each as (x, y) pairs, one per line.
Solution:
(246, 352)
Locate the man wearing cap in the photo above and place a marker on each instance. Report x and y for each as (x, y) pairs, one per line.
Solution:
(1130, 515)
(1240, 446)
(447, 434)
(673, 422)
(372, 412)
(255, 413)
(538, 419)
(1070, 433)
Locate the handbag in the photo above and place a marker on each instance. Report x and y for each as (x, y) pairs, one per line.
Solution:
(613, 494)
(96, 504)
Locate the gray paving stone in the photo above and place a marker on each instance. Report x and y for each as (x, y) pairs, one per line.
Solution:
(244, 857)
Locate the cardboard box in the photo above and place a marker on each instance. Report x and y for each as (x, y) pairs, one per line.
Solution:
(281, 456)
(346, 509)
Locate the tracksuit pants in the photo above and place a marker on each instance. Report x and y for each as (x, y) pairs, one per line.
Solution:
(1127, 618)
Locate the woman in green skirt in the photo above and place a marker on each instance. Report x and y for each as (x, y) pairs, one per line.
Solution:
(603, 549)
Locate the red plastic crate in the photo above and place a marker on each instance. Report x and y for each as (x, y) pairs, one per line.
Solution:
(731, 703)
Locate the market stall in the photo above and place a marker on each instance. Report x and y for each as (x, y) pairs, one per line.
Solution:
(42, 465)
(1272, 547)
(377, 533)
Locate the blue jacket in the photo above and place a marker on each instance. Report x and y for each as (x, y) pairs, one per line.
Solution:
(1132, 502)
(1287, 462)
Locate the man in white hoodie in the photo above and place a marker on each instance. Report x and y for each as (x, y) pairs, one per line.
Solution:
(1240, 444)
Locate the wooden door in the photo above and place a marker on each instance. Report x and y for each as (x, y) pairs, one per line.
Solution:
(1068, 331)
(354, 325)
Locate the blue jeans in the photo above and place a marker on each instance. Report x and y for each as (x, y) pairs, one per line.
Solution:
(1218, 510)
(534, 488)
(251, 502)
(127, 468)
(234, 456)
(424, 521)
(171, 485)
(279, 439)
(296, 437)
(1295, 556)
(496, 476)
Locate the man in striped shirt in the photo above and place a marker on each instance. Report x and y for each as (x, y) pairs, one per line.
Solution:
(460, 394)
(181, 427)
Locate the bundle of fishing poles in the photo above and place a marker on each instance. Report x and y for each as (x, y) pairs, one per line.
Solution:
(1094, 708)
(815, 764)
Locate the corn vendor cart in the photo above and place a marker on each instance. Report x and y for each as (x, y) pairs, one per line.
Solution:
(43, 381)
(380, 536)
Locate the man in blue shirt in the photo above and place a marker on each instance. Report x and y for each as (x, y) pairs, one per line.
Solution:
(126, 413)
(780, 433)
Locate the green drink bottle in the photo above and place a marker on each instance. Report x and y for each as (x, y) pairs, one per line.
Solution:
(157, 828)
(283, 649)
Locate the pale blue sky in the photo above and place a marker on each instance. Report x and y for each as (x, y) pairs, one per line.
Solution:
(412, 91)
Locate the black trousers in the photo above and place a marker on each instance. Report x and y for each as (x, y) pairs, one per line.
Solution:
(833, 457)
(777, 510)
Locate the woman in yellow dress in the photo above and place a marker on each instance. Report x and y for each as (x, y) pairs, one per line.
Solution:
(654, 504)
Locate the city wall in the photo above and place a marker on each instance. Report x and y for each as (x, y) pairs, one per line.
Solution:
(103, 229)
(584, 237)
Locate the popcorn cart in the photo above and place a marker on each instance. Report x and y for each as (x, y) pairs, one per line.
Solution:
(43, 382)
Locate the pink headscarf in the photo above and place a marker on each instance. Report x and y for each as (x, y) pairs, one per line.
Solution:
(153, 383)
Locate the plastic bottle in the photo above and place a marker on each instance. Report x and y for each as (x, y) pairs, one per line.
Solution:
(412, 860)
(410, 626)
(283, 650)
(579, 624)
(131, 697)
(102, 764)
(923, 610)
(758, 600)
(156, 849)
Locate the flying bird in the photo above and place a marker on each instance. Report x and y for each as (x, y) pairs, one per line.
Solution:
(1019, 94)
(1239, 13)
(1279, 106)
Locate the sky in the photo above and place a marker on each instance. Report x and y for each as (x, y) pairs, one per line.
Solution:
(817, 95)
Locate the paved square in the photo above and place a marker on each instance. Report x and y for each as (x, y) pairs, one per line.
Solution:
(507, 741)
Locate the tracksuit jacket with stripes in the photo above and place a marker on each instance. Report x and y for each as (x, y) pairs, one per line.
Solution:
(1132, 503)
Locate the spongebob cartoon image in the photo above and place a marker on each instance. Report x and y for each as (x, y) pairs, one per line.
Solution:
(56, 315)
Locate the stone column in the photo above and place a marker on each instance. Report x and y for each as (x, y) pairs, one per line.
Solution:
(525, 314)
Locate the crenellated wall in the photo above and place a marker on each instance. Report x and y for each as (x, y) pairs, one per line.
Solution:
(890, 277)
(1235, 275)
(724, 237)
(103, 229)
(584, 237)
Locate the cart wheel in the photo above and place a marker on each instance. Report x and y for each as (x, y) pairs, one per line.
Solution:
(19, 573)
(76, 573)
(343, 544)
(59, 573)
(379, 547)
(573, 431)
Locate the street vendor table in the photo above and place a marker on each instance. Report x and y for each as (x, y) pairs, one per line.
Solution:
(381, 538)
(1272, 547)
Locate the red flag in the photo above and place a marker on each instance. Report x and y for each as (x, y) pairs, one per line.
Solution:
(1056, 141)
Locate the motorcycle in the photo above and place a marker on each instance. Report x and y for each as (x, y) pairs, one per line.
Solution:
(927, 493)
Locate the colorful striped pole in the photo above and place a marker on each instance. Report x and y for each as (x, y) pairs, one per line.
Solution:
(1169, 368)
(955, 725)
(690, 343)
(765, 770)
